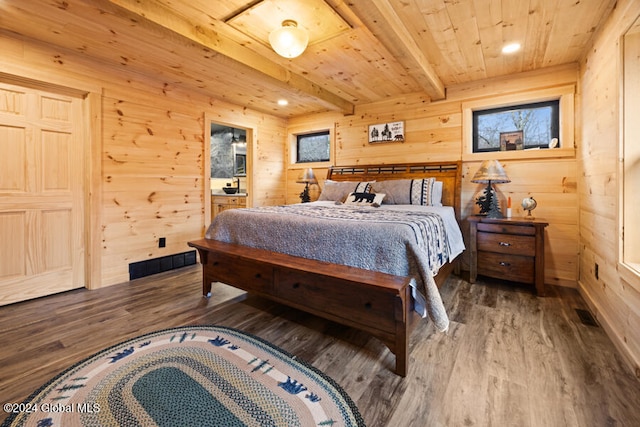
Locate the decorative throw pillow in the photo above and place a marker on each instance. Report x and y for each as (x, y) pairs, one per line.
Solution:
(373, 199)
(410, 192)
(337, 191)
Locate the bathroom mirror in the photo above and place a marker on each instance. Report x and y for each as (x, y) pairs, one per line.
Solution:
(239, 150)
(228, 152)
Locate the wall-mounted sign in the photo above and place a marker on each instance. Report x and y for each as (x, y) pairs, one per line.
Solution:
(386, 132)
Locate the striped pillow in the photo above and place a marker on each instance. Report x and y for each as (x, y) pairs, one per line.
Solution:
(410, 191)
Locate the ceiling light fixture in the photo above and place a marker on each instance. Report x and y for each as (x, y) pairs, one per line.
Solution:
(511, 48)
(283, 102)
(289, 41)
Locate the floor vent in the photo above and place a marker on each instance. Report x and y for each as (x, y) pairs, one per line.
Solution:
(586, 318)
(158, 265)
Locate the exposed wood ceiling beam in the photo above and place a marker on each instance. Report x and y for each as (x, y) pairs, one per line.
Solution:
(394, 34)
(213, 35)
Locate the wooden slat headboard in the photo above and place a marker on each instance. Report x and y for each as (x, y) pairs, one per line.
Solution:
(450, 173)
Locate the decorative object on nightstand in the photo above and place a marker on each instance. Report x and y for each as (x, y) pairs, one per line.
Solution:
(490, 171)
(307, 178)
(529, 204)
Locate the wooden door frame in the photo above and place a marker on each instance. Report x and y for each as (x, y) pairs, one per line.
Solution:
(91, 135)
(251, 132)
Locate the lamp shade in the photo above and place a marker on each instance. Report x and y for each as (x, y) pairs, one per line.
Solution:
(307, 177)
(289, 41)
(490, 171)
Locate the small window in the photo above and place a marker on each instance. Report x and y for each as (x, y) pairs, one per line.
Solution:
(313, 147)
(519, 127)
(630, 153)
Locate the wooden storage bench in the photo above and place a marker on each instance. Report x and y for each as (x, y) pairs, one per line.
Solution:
(374, 302)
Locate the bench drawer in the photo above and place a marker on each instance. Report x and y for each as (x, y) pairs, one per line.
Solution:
(247, 275)
(338, 297)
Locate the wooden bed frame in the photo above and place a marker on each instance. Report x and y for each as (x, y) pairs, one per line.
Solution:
(375, 302)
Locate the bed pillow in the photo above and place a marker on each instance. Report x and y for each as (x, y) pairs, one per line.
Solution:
(369, 199)
(410, 191)
(337, 191)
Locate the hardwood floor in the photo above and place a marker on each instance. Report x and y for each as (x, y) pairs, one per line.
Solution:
(509, 358)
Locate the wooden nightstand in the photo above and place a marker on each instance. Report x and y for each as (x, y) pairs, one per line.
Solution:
(509, 249)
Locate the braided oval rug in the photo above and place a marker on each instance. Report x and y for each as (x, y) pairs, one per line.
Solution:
(189, 376)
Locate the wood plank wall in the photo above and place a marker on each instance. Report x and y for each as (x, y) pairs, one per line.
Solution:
(613, 296)
(434, 133)
(153, 138)
(144, 119)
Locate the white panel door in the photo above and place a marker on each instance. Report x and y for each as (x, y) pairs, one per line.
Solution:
(41, 194)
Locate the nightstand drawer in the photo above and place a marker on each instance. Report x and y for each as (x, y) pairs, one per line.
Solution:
(511, 267)
(507, 243)
(522, 230)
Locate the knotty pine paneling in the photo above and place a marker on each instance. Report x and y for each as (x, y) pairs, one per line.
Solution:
(613, 299)
(152, 139)
(307, 124)
(431, 134)
(434, 133)
(552, 183)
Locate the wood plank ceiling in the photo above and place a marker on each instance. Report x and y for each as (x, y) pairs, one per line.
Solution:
(360, 51)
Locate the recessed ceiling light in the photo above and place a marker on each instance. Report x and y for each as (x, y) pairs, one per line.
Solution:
(283, 102)
(511, 48)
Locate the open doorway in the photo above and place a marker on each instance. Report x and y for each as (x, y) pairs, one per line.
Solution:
(229, 167)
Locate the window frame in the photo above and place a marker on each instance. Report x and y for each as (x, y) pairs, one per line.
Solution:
(564, 94)
(554, 130)
(628, 262)
(297, 160)
(292, 138)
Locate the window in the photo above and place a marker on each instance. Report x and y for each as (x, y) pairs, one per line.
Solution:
(518, 127)
(631, 153)
(313, 147)
(562, 100)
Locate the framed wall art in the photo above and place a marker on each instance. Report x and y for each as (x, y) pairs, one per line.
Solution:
(386, 132)
(511, 140)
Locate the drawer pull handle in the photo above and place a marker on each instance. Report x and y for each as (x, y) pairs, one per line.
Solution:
(368, 306)
(258, 275)
(296, 285)
(505, 244)
(504, 264)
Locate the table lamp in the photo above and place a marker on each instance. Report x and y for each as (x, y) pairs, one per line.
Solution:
(490, 171)
(307, 178)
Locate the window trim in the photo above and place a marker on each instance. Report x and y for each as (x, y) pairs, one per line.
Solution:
(554, 104)
(629, 269)
(565, 95)
(292, 147)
